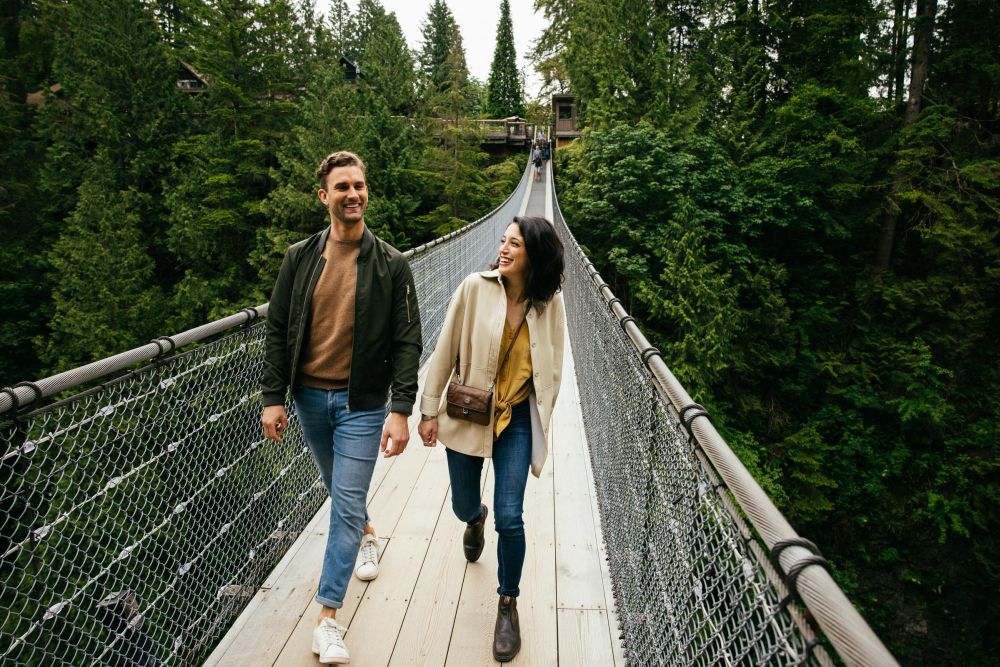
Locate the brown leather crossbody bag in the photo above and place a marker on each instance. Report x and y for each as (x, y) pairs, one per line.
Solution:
(473, 404)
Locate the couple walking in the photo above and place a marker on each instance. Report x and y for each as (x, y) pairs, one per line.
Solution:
(343, 332)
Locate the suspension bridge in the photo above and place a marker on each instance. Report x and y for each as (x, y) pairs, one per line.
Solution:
(147, 522)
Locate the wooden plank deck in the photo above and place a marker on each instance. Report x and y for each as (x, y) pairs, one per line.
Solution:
(429, 606)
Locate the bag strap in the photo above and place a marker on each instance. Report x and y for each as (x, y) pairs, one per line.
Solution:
(507, 354)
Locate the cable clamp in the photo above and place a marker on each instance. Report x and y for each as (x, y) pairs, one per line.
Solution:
(625, 320)
(695, 411)
(251, 314)
(35, 389)
(791, 577)
(161, 341)
(647, 354)
(781, 545)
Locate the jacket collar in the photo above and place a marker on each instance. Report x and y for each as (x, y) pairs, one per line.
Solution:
(491, 275)
(367, 241)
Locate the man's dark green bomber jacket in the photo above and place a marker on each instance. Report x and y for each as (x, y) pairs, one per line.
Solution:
(387, 340)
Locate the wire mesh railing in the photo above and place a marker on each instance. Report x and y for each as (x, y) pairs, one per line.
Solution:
(705, 569)
(141, 515)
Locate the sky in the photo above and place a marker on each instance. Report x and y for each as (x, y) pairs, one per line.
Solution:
(478, 21)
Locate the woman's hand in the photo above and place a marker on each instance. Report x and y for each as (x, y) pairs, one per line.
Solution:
(428, 431)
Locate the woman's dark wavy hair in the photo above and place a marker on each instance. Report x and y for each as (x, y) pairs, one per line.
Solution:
(545, 259)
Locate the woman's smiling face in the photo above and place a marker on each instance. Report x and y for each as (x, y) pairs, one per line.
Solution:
(513, 256)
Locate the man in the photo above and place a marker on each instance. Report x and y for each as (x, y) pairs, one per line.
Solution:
(342, 327)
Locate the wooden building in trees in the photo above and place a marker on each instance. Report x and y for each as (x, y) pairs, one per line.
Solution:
(190, 80)
(564, 115)
(352, 72)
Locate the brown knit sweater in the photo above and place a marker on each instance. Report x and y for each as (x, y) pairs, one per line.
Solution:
(326, 356)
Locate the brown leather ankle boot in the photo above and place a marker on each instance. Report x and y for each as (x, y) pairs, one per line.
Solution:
(507, 633)
(473, 540)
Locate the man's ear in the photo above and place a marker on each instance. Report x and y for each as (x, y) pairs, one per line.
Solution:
(322, 195)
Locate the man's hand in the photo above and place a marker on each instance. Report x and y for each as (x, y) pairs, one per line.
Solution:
(275, 421)
(398, 432)
(428, 431)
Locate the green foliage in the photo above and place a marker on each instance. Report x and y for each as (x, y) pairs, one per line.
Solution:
(119, 111)
(504, 93)
(105, 298)
(387, 62)
(865, 404)
(24, 308)
(628, 60)
(455, 179)
(443, 78)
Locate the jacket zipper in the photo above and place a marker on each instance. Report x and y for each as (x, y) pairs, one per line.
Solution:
(407, 303)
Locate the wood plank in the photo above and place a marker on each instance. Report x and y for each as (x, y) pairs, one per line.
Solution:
(579, 578)
(536, 605)
(430, 607)
(285, 598)
(427, 625)
(265, 623)
(383, 464)
(472, 640)
(584, 637)
(374, 628)
(472, 636)
(297, 650)
(393, 494)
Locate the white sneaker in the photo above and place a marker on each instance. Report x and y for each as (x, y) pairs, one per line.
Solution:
(367, 567)
(328, 643)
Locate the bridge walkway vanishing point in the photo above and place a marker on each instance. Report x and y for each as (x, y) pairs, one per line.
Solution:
(429, 606)
(145, 521)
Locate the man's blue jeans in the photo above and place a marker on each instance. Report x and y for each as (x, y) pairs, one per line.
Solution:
(344, 445)
(511, 462)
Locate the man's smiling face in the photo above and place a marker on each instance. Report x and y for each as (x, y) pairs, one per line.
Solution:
(345, 195)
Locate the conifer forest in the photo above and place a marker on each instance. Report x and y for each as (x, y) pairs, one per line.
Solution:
(799, 203)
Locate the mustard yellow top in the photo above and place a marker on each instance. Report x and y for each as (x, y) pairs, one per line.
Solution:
(514, 378)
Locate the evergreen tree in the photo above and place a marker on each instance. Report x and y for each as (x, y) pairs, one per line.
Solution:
(106, 299)
(504, 94)
(24, 302)
(443, 73)
(120, 103)
(250, 53)
(385, 58)
(338, 24)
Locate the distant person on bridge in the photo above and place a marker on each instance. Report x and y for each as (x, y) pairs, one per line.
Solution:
(536, 158)
(503, 331)
(342, 328)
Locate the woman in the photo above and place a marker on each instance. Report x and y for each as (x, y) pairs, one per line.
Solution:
(504, 329)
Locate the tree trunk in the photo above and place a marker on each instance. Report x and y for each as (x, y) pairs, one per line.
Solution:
(900, 35)
(926, 10)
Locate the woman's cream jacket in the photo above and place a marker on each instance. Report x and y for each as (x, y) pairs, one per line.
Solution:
(472, 329)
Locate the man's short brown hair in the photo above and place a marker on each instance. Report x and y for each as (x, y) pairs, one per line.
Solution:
(334, 160)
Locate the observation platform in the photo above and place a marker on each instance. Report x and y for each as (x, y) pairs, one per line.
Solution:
(429, 606)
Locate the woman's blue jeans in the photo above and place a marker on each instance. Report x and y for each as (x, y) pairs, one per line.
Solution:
(344, 445)
(511, 462)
